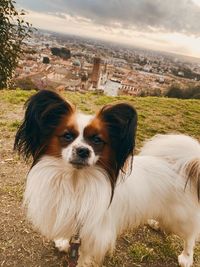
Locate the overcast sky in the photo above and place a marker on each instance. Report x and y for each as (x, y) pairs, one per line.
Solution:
(168, 25)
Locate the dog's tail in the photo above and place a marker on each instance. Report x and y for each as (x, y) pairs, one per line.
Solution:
(191, 170)
(172, 147)
(181, 151)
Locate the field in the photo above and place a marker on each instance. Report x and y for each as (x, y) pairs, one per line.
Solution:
(21, 246)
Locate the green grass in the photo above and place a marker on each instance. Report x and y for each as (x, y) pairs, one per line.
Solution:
(15, 191)
(11, 125)
(15, 96)
(156, 247)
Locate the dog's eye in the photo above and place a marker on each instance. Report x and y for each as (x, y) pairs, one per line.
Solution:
(68, 137)
(97, 140)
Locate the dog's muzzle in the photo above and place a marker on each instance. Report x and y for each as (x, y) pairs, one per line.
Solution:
(80, 157)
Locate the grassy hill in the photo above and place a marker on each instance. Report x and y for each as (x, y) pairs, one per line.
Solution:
(21, 246)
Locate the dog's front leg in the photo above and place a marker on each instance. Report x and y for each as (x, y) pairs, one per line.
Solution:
(87, 261)
(83, 261)
(185, 259)
(62, 244)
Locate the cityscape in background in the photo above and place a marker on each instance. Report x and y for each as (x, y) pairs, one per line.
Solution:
(63, 62)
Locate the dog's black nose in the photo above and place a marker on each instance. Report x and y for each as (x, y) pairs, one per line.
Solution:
(83, 152)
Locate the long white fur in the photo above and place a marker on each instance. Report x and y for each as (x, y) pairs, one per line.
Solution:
(176, 149)
(183, 153)
(58, 206)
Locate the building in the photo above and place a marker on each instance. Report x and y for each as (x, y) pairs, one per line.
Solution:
(96, 71)
(128, 89)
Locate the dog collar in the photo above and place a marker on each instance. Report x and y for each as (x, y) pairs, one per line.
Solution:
(73, 255)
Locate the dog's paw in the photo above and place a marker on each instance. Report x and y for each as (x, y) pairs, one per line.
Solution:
(62, 244)
(87, 262)
(154, 224)
(184, 260)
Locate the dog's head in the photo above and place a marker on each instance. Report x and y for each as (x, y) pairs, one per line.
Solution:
(53, 127)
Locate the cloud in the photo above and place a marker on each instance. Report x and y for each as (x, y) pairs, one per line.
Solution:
(147, 15)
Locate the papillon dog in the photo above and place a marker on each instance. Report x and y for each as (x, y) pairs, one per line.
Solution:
(84, 179)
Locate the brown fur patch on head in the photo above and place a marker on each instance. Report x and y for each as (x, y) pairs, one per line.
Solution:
(55, 144)
(44, 113)
(102, 148)
(120, 120)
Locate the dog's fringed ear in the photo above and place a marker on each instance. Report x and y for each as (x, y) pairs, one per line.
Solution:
(44, 110)
(121, 120)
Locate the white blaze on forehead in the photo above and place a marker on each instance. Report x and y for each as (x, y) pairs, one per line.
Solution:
(82, 121)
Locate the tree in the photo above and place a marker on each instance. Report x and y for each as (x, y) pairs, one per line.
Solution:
(61, 52)
(191, 91)
(174, 91)
(45, 60)
(13, 31)
(55, 51)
